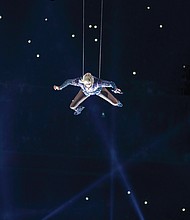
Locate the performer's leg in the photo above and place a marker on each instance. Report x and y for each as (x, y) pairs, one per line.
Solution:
(106, 95)
(79, 98)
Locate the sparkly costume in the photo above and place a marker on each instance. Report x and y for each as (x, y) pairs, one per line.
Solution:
(98, 88)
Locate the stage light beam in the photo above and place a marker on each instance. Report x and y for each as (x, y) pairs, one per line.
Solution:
(118, 167)
(76, 197)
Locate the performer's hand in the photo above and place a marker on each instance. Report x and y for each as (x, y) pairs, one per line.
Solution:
(56, 87)
(117, 91)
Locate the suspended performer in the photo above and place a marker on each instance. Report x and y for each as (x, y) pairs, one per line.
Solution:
(90, 85)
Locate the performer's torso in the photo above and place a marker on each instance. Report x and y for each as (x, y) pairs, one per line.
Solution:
(95, 89)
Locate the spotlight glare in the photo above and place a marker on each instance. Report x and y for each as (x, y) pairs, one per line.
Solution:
(128, 192)
(95, 26)
(46, 19)
(73, 35)
(87, 198)
(103, 114)
(90, 26)
(183, 209)
(38, 55)
(134, 73)
(145, 202)
(29, 41)
(95, 39)
(161, 26)
(148, 7)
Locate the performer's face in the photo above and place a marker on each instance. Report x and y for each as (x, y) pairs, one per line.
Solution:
(88, 84)
(88, 80)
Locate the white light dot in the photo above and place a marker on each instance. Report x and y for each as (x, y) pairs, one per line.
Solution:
(183, 209)
(87, 198)
(95, 39)
(1, 16)
(38, 55)
(95, 26)
(103, 114)
(148, 7)
(46, 19)
(184, 66)
(145, 202)
(29, 41)
(161, 26)
(128, 192)
(90, 26)
(134, 73)
(73, 35)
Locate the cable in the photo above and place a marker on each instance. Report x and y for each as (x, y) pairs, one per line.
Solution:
(101, 33)
(83, 38)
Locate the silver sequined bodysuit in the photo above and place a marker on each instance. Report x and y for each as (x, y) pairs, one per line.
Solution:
(94, 90)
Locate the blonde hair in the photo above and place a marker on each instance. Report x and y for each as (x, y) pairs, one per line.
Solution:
(87, 78)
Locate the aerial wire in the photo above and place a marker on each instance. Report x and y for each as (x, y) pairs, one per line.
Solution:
(83, 39)
(101, 33)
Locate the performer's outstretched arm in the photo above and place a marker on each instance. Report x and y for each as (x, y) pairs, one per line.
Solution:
(111, 84)
(73, 82)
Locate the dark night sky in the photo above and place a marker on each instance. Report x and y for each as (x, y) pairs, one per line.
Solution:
(51, 160)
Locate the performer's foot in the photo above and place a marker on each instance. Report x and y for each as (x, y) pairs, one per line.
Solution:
(119, 104)
(78, 110)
